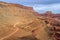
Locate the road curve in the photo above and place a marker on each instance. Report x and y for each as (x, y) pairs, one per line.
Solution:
(10, 34)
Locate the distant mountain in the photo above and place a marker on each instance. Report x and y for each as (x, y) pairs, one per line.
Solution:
(50, 14)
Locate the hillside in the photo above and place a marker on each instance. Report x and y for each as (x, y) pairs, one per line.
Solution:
(19, 22)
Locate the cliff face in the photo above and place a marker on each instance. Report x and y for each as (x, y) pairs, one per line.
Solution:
(18, 5)
(24, 7)
(54, 21)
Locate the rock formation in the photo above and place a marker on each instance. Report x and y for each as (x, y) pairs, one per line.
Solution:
(50, 14)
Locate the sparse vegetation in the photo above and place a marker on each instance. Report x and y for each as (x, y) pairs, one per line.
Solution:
(49, 31)
(46, 22)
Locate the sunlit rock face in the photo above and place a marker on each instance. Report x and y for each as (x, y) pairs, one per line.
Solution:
(16, 21)
(14, 14)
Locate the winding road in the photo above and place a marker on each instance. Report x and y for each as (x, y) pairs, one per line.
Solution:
(11, 33)
(16, 29)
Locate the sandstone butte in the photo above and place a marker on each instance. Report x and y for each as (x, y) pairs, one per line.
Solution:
(18, 21)
(50, 14)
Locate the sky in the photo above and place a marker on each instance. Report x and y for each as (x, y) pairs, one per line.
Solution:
(40, 6)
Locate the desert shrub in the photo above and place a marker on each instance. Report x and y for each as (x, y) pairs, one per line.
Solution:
(46, 22)
(49, 31)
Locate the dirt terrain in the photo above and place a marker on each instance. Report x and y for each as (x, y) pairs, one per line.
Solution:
(22, 23)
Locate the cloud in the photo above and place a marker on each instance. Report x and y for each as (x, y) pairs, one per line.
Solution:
(51, 7)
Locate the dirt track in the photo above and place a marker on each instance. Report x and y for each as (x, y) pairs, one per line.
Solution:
(10, 34)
